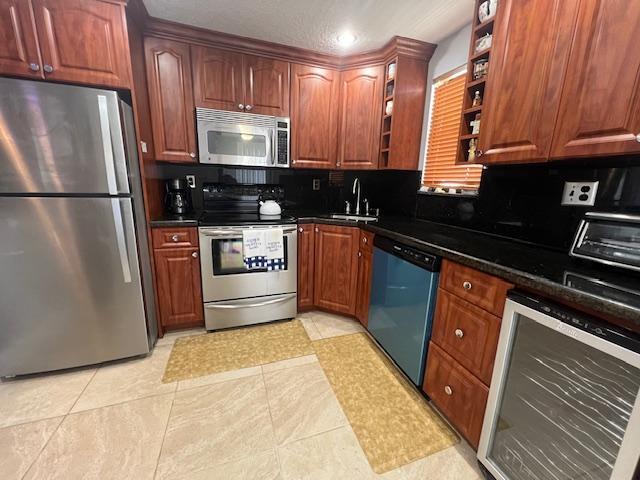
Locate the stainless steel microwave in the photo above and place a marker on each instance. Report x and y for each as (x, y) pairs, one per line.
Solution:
(246, 139)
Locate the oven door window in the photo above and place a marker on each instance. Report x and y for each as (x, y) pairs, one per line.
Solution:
(228, 257)
(564, 408)
(237, 144)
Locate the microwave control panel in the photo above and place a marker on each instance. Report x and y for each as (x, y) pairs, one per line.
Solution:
(282, 130)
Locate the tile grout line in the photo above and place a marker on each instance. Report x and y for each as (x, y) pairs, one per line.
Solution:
(273, 427)
(164, 435)
(125, 401)
(46, 444)
(83, 390)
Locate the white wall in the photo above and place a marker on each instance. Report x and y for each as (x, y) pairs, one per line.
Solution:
(452, 52)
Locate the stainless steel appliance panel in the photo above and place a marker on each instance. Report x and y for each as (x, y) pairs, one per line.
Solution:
(70, 289)
(249, 311)
(60, 139)
(246, 284)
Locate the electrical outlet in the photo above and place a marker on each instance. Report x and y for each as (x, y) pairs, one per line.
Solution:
(580, 193)
(191, 180)
(316, 184)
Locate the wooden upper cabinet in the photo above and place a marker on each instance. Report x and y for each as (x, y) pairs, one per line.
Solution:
(19, 53)
(171, 99)
(83, 41)
(360, 117)
(266, 86)
(314, 116)
(600, 108)
(217, 79)
(336, 268)
(526, 69)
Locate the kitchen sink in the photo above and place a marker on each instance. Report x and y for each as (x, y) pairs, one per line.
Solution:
(353, 218)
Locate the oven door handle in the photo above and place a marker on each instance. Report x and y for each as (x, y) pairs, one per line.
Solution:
(236, 233)
(249, 305)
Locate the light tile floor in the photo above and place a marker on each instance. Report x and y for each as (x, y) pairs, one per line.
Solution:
(279, 421)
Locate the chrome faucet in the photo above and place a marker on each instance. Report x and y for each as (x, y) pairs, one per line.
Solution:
(356, 185)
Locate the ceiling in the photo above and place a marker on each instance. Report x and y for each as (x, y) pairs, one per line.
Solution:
(315, 24)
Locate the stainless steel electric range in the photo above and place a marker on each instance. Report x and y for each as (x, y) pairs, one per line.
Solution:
(233, 294)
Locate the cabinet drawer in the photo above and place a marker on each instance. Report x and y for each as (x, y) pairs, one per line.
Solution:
(467, 333)
(485, 291)
(459, 395)
(366, 241)
(174, 237)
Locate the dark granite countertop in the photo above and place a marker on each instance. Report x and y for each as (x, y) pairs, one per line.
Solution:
(168, 220)
(526, 265)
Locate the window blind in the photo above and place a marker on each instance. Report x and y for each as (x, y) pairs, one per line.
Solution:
(446, 114)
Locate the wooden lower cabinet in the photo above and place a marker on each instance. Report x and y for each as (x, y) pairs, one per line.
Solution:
(365, 268)
(306, 253)
(179, 286)
(336, 268)
(459, 395)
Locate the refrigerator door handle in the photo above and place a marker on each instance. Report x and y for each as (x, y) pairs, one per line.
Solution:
(121, 240)
(107, 147)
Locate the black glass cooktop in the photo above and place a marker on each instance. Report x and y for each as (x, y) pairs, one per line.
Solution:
(222, 219)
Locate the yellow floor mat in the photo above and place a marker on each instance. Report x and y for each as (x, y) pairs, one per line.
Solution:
(394, 424)
(223, 351)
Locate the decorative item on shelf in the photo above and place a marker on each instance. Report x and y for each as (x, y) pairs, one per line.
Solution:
(487, 10)
(388, 108)
(480, 68)
(472, 150)
(477, 99)
(475, 125)
(483, 43)
(391, 72)
(389, 90)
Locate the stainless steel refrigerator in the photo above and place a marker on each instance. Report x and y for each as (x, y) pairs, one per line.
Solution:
(75, 278)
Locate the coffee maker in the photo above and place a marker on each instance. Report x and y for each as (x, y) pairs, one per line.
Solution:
(177, 199)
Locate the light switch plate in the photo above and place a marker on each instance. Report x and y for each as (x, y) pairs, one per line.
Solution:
(191, 180)
(580, 194)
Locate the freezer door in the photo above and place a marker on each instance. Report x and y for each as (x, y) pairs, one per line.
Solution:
(70, 291)
(60, 139)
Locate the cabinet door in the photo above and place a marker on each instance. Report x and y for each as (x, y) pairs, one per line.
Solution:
(600, 108)
(171, 99)
(19, 54)
(179, 287)
(314, 107)
(83, 41)
(365, 262)
(306, 249)
(521, 108)
(360, 117)
(266, 86)
(217, 79)
(336, 268)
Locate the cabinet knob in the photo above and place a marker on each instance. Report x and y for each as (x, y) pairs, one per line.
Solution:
(459, 333)
(317, 229)
(359, 254)
(192, 154)
(467, 285)
(241, 106)
(638, 138)
(301, 229)
(447, 390)
(35, 67)
(248, 107)
(48, 68)
(364, 240)
(194, 254)
(174, 238)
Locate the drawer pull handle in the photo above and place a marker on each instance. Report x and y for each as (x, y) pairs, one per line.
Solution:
(194, 254)
(174, 238)
(467, 285)
(447, 390)
(459, 333)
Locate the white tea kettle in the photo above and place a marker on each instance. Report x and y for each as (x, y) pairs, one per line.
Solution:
(270, 207)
